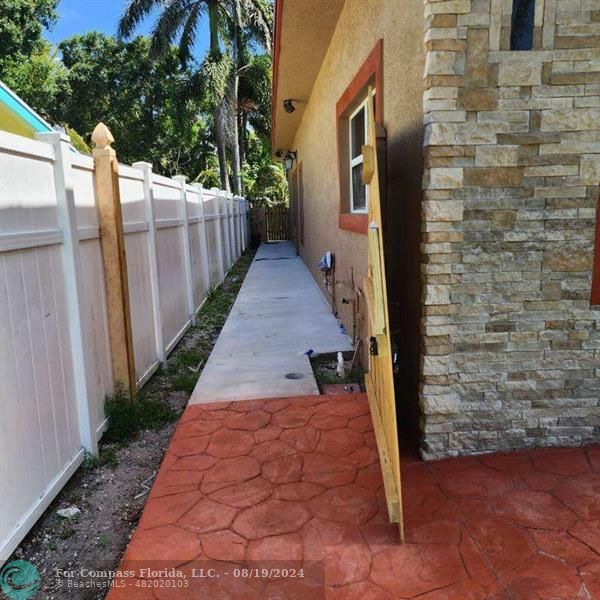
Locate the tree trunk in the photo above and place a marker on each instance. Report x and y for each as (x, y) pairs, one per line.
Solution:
(242, 121)
(213, 25)
(236, 165)
(219, 128)
(220, 141)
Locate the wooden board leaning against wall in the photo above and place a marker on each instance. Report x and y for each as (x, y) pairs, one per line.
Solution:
(380, 377)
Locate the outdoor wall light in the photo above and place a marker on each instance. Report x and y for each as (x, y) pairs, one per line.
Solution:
(288, 106)
(288, 160)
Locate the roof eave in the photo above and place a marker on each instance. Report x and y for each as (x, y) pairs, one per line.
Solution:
(303, 30)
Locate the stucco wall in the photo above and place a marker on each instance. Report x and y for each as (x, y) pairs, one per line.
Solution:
(511, 346)
(361, 24)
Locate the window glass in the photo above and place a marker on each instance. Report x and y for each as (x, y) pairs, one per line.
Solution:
(357, 133)
(358, 137)
(521, 32)
(359, 191)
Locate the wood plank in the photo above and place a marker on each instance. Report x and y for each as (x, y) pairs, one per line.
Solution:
(115, 262)
(380, 377)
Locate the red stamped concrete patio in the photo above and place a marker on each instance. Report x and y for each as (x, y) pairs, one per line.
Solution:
(296, 482)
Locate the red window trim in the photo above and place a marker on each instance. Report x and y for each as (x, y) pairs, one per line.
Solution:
(372, 67)
(595, 299)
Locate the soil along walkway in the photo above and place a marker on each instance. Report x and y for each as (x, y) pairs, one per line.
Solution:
(283, 499)
(279, 315)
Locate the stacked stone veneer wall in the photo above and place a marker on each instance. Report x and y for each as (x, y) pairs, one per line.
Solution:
(511, 347)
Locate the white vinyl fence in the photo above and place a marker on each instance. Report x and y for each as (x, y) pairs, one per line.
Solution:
(55, 357)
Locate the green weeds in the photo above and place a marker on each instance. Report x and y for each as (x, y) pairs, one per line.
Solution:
(127, 418)
(107, 457)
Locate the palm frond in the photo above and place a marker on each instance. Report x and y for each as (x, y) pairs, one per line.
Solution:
(258, 18)
(169, 24)
(188, 33)
(135, 12)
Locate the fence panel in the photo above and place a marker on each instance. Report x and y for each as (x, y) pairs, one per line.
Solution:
(198, 245)
(137, 248)
(213, 234)
(225, 234)
(171, 259)
(238, 225)
(232, 236)
(56, 365)
(237, 222)
(40, 443)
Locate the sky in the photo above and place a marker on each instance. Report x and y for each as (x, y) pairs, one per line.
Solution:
(80, 16)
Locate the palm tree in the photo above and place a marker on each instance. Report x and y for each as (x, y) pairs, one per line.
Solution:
(250, 24)
(254, 100)
(233, 25)
(179, 20)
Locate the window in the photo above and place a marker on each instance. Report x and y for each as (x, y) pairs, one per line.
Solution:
(522, 22)
(352, 124)
(358, 124)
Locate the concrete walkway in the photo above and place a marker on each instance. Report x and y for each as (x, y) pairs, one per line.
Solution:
(279, 314)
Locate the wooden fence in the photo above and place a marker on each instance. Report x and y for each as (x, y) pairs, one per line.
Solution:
(277, 223)
(56, 362)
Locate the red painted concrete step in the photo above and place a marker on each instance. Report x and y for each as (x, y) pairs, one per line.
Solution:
(284, 499)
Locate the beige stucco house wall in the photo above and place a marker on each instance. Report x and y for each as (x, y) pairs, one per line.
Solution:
(361, 25)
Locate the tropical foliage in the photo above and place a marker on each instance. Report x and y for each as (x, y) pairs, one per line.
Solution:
(21, 26)
(208, 119)
(235, 27)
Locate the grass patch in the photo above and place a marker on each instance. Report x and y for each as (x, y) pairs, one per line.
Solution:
(184, 382)
(188, 358)
(127, 418)
(107, 457)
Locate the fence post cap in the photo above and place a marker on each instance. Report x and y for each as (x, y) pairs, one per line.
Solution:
(102, 137)
(182, 179)
(52, 137)
(141, 164)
